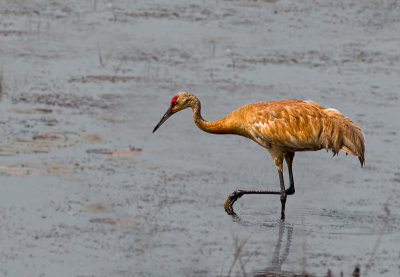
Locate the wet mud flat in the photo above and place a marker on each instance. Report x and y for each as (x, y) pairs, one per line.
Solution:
(87, 190)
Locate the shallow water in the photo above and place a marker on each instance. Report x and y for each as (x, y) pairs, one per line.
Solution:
(87, 189)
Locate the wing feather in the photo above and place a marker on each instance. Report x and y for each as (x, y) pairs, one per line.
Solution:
(290, 124)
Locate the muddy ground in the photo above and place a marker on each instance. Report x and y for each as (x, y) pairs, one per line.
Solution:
(86, 189)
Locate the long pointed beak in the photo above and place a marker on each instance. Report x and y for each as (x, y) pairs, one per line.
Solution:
(167, 114)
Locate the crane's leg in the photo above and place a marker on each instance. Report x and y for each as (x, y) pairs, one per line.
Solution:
(283, 194)
(278, 159)
(289, 160)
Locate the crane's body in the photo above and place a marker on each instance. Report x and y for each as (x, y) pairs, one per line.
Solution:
(283, 127)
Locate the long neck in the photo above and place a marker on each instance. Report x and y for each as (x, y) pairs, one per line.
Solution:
(215, 127)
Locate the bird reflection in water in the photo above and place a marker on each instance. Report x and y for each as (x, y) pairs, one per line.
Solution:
(278, 258)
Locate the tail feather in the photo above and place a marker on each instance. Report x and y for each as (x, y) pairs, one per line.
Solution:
(344, 134)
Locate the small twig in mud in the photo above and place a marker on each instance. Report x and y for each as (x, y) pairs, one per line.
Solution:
(1, 85)
(94, 5)
(213, 44)
(378, 240)
(38, 29)
(236, 256)
(111, 7)
(230, 53)
(251, 255)
(356, 272)
(100, 56)
(304, 248)
(119, 65)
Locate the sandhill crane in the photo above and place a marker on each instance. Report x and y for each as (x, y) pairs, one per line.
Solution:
(283, 127)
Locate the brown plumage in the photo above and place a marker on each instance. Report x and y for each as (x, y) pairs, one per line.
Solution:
(283, 127)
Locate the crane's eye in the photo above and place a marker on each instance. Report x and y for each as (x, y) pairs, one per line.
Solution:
(173, 101)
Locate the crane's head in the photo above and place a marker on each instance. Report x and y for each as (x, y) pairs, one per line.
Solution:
(179, 102)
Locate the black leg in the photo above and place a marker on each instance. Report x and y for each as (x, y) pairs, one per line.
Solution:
(290, 190)
(289, 160)
(283, 195)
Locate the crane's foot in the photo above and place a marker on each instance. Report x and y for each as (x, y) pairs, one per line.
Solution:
(231, 200)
